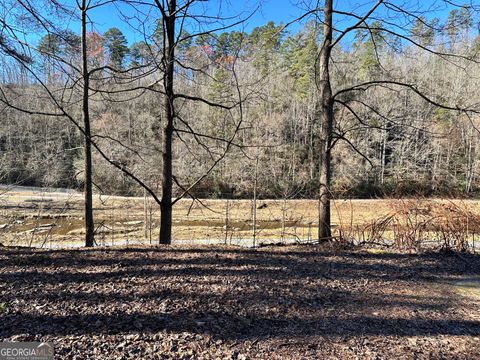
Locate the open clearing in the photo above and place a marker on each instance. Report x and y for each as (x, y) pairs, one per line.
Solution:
(53, 219)
(292, 302)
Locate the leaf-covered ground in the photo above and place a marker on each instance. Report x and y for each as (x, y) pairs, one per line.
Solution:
(229, 303)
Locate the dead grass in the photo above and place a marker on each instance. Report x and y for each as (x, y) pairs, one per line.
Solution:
(45, 218)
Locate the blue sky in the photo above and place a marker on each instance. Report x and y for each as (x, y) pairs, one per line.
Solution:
(263, 11)
(266, 10)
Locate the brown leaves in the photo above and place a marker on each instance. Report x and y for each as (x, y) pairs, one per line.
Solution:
(229, 303)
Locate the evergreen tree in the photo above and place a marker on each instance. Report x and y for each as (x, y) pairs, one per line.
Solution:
(52, 46)
(116, 45)
(458, 25)
(139, 53)
(423, 31)
(369, 42)
(158, 33)
(264, 42)
(299, 53)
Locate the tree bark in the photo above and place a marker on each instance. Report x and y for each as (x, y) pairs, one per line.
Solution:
(89, 224)
(326, 121)
(167, 156)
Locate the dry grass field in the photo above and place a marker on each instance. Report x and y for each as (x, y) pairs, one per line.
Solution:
(52, 219)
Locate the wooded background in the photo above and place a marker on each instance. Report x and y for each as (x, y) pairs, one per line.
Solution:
(398, 144)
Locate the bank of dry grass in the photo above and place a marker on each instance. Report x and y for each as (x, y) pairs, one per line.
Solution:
(45, 218)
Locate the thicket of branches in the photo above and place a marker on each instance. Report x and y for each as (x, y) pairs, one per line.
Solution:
(390, 143)
(401, 146)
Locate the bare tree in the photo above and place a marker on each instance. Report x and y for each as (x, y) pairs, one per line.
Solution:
(328, 99)
(173, 16)
(130, 84)
(169, 14)
(88, 185)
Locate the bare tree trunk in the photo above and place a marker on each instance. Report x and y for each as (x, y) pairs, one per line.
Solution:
(254, 204)
(166, 203)
(89, 225)
(326, 121)
(384, 154)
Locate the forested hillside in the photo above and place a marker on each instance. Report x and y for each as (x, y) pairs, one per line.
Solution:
(387, 139)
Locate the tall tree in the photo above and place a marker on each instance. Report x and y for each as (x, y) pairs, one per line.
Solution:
(264, 42)
(343, 97)
(299, 53)
(423, 31)
(175, 39)
(139, 53)
(116, 44)
(169, 20)
(325, 114)
(88, 184)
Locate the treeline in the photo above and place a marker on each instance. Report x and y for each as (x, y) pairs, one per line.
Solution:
(387, 141)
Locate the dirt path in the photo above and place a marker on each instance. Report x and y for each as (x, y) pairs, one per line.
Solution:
(216, 302)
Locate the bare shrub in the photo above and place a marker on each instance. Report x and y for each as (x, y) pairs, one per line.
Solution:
(418, 224)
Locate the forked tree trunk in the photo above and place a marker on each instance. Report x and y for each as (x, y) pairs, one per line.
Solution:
(325, 113)
(89, 225)
(166, 203)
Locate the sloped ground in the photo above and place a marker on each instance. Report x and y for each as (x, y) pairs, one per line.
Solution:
(219, 302)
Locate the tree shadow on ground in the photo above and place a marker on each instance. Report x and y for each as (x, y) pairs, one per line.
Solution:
(232, 294)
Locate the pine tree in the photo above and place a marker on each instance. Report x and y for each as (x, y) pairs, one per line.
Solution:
(116, 45)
